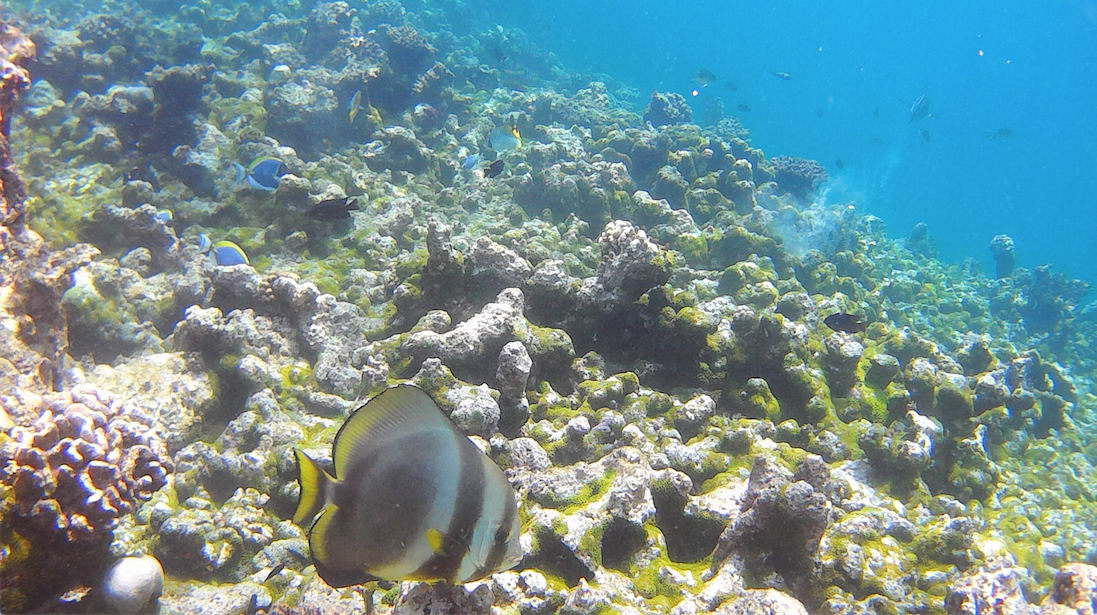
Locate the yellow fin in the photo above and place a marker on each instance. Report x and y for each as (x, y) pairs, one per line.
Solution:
(436, 540)
(318, 537)
(442, 543)
(315, 483)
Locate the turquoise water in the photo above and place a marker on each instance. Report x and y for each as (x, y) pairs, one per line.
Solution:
(1030, 67)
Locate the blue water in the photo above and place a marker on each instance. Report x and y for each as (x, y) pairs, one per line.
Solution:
(1027, 66)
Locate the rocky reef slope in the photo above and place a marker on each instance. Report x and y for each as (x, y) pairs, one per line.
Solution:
(628, 320)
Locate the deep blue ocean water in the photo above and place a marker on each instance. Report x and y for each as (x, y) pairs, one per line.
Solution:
(1030, 67)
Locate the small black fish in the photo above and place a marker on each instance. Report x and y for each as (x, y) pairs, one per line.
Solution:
(274, 572)
(876, 113)
(846, 323)
(926, 137)
(498, 54)
(493, 169)
(838, 163)
(143, 172)
(782, 76)
(332, 210)
(731, 87)
(999, 135)
(743, 108)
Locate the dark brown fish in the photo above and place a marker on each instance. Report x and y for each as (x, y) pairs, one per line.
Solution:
(846, 323)
(494, 169)
(838, 163)
(274, 572)
(333, 210)
(743, 108)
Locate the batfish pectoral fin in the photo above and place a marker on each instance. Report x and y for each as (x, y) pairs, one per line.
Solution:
(442, 543)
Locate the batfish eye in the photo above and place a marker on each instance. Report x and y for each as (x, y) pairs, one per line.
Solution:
(502, 534)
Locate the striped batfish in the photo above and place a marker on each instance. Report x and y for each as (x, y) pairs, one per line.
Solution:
(412, 498)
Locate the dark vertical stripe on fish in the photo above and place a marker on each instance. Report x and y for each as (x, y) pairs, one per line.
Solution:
(467, 511)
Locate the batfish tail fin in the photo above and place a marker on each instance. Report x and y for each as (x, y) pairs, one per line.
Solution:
(315, 488)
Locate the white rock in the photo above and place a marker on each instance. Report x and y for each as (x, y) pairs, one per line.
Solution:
(132, 582)
(280, 73)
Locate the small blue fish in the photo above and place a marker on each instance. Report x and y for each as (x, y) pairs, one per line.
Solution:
(226, 253)
(204, 244)
(263, 173)
(165, 215)
(469, 162)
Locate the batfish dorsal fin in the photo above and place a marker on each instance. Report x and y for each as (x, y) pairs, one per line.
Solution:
(396, 411)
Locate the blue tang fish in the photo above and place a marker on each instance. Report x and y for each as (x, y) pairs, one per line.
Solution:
(469, 162)
(226, 253)
(263, 173)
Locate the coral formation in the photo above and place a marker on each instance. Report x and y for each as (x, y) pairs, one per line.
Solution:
(798, 176)
(83, 463)
(667, 108)
(1004, 258)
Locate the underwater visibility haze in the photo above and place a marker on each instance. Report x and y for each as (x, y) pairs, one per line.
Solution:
(495, 308)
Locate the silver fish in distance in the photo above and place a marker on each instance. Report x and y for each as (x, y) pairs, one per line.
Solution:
(919, 109)
(412, 498)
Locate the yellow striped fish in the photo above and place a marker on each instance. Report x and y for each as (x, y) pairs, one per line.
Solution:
(506, 137)
(355, 105)
(412, 498)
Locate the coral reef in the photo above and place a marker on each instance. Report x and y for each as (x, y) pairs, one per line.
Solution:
(798, 176)
(629, 319)
(1004, 258)
(667, 108)
(83, 463)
